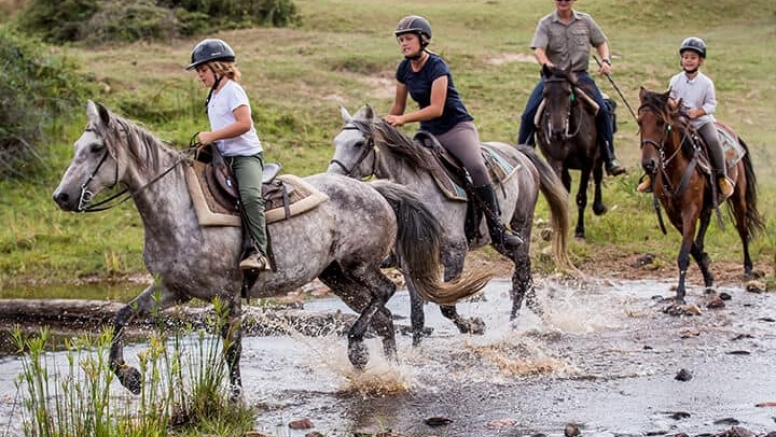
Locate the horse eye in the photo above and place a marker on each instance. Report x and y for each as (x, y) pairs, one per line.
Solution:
(359, 143)
(96, 147)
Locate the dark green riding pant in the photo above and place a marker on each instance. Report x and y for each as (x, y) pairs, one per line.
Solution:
(248, 172)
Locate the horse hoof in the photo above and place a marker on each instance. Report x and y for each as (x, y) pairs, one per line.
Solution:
(476, 326)
(600, 210)
(235, 394)
(130, 378)
(358, 354)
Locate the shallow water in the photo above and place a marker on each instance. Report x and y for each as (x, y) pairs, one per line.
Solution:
(604, 356)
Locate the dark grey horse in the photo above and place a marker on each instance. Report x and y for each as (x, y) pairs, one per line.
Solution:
(342, 241)
(368, 146)
(568, 138)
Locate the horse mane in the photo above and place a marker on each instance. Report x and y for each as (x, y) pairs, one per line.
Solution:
(137, 141)
(395, 144)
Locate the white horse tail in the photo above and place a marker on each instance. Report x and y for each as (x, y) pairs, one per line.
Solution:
(558, 199)
(419, 239)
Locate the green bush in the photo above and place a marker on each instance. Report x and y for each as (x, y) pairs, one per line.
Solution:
(36, 89)
(97, 21)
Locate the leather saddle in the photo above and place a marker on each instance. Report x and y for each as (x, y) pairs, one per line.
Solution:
(223, 185)
(454, 181)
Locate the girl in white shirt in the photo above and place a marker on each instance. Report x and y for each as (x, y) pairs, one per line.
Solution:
(232, 131)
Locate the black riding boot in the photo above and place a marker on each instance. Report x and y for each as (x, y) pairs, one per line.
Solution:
(499, 235)
(613, 167)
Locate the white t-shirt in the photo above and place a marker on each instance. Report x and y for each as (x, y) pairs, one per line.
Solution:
(695, 93)
(220, 112)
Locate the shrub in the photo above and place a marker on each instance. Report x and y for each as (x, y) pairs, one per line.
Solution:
(35, 90)
(94, 21)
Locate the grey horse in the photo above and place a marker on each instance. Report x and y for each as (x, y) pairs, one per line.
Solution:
(368, 146)
(341, 242)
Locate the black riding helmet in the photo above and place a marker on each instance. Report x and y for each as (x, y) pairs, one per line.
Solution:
(695, 44)
(417, 25)
(210, 50)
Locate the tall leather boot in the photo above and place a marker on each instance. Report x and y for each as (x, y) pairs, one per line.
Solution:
(718, 170)
(499, 235)
(613, 167)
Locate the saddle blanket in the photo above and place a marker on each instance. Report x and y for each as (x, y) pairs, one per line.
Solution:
(302, 198)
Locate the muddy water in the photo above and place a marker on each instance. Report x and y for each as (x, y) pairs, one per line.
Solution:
(603, 355)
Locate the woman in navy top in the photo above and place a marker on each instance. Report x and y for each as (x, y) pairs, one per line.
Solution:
(427, 79)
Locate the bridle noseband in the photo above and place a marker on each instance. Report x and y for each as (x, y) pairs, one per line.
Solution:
(368, 150)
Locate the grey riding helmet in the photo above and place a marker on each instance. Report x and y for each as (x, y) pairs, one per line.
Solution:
(417, 25)
(695, 44)
(210, 50)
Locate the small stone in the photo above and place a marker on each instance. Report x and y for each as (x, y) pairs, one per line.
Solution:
(683, 375)
(756, 286)
(300, 424)
(438, 421)
(571, 430)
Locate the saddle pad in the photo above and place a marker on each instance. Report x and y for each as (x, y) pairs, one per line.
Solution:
(731, 147)
(500, 168)
(209, 212)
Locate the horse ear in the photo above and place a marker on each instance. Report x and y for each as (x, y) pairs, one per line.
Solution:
(369, 113)
(546, 71)
(104, 113)
(642, 93)
(91, 111)
(345, 115)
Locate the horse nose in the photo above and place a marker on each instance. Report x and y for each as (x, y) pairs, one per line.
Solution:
(62, 199)
(648, 165)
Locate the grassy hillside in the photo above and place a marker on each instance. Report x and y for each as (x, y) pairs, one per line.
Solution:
(344, 53)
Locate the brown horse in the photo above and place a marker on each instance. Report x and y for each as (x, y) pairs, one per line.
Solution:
(568, 138)
(675, 161)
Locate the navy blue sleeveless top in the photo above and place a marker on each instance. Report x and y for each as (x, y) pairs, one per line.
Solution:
(419, 87)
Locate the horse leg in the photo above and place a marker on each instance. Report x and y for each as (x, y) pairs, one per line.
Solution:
(683, 259)
(522, 282)
(599, 208)
(231, 333)
(579, 232)
(417, 315)
(355, 291)
(740, 213)
(701, 257)
(453, 268)
(154, 296)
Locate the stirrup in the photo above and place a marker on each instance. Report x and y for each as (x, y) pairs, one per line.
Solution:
(725, 187)
(255, 261)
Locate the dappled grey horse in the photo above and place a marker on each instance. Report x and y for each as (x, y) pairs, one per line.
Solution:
(368, 146)
(342, 241)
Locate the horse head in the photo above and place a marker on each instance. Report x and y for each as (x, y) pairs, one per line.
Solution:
(658, 118)
(95, 165)
(107, 154)
(558, 98)
(354, 147)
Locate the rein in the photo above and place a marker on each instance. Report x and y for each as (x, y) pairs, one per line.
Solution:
(369, 150)
(123, 195)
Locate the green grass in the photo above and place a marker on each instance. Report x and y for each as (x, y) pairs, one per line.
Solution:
(343, 53)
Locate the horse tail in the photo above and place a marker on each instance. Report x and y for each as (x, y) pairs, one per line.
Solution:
(558, 199)
(418, 248)
(754, 221)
